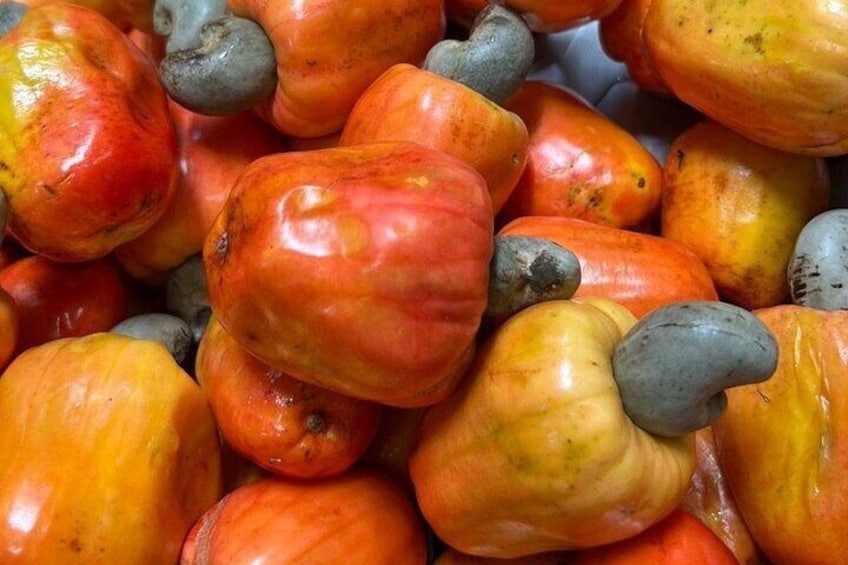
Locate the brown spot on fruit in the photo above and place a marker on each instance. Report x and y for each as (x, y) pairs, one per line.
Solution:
(316, 423)
(222, 247)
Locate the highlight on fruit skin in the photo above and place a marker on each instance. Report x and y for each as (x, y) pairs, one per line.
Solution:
(541, 411)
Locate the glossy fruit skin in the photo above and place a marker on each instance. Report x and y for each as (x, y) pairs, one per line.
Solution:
(781, 443)
(213, 151)
(581, 164)
(360, 516)
(285, 426)
(534, 452)
(87, 147)
(709, 499)
(638, 270)
(56, 300)
(771, 70)
(329, 52)
(125, 14)
(407, 103)
(341, 268)
(111, 458)
(740, 206)
(678, 539)
(620, 33)
(543, 16)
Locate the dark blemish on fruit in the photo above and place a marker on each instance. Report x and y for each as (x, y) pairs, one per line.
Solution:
(680, 154)
(755, 41)
(222, 247)
(543, 273)
(316, 423)
(51, 192)
(596, 199)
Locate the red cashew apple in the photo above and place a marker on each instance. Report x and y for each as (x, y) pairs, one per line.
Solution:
(126, 14)
(639, 271)
(283, 425)
(407, 103)
(55, 300)
(580, 163)
(678, 539)
(87, 147)
(454, 101)
(362, 269)
(361, 516)
(300, 65)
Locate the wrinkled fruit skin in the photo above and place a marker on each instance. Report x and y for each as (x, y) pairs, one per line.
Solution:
(535, 452)
(710, 500)
(87, 147)
(782, 446)
(363, 269)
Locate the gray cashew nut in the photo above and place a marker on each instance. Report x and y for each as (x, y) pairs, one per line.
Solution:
(170, 331)
(818, 267)
(10, 15)
(525, 270)
(672, 366)
(181, 21)
(494, 60)
(186, 296)
(232, 69)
